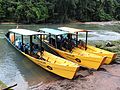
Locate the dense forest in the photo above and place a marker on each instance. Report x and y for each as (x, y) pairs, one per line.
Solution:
(58, 11)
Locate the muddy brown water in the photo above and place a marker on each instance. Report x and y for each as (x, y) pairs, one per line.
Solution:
(16, 68)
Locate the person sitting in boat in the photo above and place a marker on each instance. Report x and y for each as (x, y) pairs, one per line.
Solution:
(67, 44)
(52, 41)
(18, 44)
(40, 52)
(35, 48)
(27, 48)
(81, 44)
(70, 45)
(60, 41)
(73, 43)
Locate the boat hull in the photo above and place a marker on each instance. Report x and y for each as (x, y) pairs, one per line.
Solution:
(61, 70)
(84, 59)
(110, 56)
(54, 64)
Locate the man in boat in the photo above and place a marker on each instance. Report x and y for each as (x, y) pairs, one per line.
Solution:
(81, 44)
(26, 48)
(60, 42)
(70, 42)
(18, 44)
(35, 48)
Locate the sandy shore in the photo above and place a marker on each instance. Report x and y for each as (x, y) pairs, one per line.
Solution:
(8, 23)
(107, 78)
(99, 80)
(102, 23)
(77, 22)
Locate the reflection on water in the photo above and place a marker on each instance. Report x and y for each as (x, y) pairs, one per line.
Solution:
(16, 68)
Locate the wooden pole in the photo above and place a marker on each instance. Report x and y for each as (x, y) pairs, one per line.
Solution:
(56, 39)
(14, 39)
(76, 38)
(86, 40)
(41, 45)
(31, 44)
(22, 39)
(49, 38)
(9, 88)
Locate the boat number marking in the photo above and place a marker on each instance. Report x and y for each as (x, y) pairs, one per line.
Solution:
(49, 67)
(78, 60)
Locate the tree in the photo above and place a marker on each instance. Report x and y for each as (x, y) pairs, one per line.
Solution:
(32, 11)
(24, 10)
(59, 11)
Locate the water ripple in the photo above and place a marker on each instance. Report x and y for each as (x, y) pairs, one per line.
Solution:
(101, 35)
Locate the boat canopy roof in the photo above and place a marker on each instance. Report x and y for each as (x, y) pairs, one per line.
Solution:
(72, 30)
(53, 31)
(25, 32)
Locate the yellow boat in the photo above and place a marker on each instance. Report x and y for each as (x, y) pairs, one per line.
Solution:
(82, 57)
(46, 60)
(110, 56)
(91, 49)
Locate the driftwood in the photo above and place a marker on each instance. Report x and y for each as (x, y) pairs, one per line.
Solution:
(9, 87)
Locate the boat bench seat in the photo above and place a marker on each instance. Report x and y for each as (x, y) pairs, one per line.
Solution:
(52, 61)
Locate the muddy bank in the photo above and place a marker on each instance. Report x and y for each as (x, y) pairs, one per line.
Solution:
(102, 23)
(99, 80)
(106, 79)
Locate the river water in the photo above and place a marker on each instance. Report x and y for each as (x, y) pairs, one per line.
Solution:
(16, 68)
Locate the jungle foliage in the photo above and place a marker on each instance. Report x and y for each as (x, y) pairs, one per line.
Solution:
(58, 11)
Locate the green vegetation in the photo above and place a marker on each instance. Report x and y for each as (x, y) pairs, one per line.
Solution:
(2, 85)
(58, 11)
(25, 11)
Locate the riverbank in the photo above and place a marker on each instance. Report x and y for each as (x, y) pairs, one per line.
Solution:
(98, 23)
(101, 23)
(2, 23)
(28, 73)
(99, 80)
(107, 79)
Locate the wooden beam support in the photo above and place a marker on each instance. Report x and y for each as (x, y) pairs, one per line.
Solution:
(41, 45)
(76, 38)
(22, 39)
(31, 44)
(86, 41)
(56, 40)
